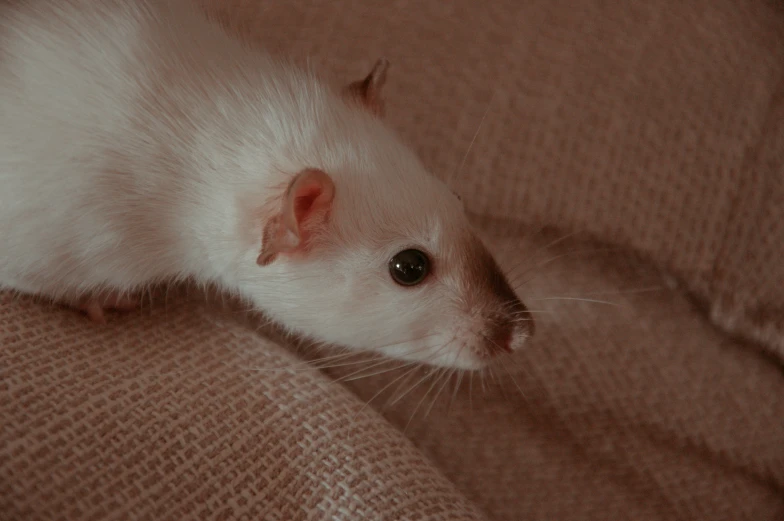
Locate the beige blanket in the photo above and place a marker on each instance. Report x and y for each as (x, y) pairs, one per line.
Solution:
(654, 129)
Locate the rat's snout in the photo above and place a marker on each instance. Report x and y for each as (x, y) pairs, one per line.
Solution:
(509, 330)
(502, 322)
(501, 339)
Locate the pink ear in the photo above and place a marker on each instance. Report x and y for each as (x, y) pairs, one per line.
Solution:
(305, 204)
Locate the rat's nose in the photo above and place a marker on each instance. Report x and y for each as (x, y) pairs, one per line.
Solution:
(508, 327)
(501, 339)
(522, 318)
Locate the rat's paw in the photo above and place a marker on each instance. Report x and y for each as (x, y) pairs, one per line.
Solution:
(95, 307)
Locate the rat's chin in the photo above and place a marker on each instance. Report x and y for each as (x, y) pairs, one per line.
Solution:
(461, 356)
(479, 353)
(465, 350)
(464, 363)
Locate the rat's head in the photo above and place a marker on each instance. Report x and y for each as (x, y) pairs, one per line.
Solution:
(368, 251)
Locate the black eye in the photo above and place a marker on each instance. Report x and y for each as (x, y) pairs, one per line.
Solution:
(409, 267)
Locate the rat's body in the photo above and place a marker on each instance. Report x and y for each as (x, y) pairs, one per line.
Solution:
(140, 143)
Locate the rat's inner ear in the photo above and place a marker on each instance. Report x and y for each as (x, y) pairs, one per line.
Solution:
(367, 91)
(304, 205)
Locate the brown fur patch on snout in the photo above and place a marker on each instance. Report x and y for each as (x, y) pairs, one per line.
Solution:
(488, 291)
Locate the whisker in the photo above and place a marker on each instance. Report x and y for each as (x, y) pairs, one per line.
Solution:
(516, 278)
(405, 342)
(398, 387)
(435, 380)
(381, 359)
(391, 401)
(522, 318)
(492, 373)
(449, 373)
(304, 364)
(540, 249)
(514, 380)
(318, 362)
(595, 301)
(459, 381)
(471, 392)
(333, 358)
(427, 375)
(387, 386)
(388, 370)
(473, 140)
(510, 245)
(497, 379)
(324, 367)
(623, 291)
(558, 241)
(347, 378)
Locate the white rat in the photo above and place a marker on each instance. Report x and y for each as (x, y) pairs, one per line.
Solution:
(140, 143)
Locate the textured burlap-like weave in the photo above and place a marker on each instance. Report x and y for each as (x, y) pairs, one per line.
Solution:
(655, 127)
(181, 414)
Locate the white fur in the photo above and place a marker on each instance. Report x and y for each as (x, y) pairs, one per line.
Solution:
(137, 140)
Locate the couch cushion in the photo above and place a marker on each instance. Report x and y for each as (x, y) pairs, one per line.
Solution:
(183, 413)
